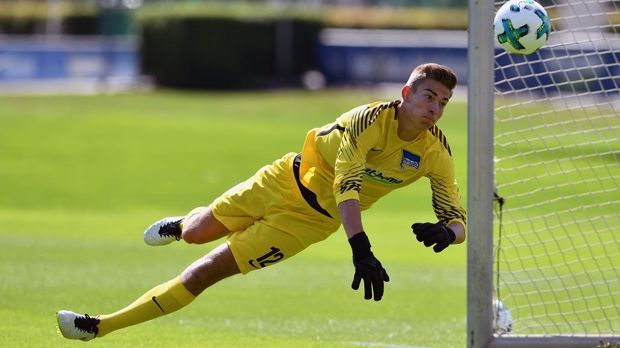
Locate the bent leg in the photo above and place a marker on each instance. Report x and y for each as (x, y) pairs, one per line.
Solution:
(210, 269)
(174, 294)
(200, 226)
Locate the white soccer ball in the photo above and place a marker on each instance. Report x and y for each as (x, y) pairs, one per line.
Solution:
(522, 26)
(502, 319)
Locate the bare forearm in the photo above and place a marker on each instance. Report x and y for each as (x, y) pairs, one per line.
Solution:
(351, 216)
(367, 267)
(459, 231)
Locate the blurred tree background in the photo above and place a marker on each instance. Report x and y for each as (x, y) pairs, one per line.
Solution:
(224, 44)
(86, 17)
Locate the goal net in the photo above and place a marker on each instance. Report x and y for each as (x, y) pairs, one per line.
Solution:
(557, 168)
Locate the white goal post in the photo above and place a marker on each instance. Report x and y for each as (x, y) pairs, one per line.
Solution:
(544, 136)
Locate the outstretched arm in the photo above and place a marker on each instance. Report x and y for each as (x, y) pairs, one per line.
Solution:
(447, 206)
(351, 216)
(367, 267)
(439, 235)
(459, 231)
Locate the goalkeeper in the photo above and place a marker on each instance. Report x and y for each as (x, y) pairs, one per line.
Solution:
(344, 167)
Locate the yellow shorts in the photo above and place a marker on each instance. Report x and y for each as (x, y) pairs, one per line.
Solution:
(269, 218)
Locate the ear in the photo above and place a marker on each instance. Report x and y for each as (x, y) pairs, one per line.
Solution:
(405, 91)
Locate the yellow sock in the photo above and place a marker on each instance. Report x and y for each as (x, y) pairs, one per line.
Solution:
(161, 300)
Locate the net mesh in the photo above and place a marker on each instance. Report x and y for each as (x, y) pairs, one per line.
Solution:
(557, 165)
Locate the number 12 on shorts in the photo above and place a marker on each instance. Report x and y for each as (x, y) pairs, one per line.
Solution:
(273, 256)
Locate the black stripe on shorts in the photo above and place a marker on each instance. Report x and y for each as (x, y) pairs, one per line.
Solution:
(308, 195)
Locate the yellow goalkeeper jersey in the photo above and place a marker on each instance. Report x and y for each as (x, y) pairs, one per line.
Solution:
(361, 157)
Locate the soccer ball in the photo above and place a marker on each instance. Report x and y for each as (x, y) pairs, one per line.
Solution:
(502, 319)
(522, 26)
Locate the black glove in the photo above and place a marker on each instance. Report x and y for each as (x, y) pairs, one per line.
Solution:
(438, 234)
(367, 267)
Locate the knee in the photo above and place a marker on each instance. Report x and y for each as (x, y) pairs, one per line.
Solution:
(198, 237)
(192, 225)
(195, 234)
(200, 226)
(210, 269)
(192, 237)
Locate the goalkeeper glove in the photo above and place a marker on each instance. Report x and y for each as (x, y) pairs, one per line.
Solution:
(439, 234)
(367, 268)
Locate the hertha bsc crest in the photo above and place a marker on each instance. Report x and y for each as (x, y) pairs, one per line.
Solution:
(410, 160)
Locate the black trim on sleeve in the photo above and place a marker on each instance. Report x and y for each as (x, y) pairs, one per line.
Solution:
(336, 126)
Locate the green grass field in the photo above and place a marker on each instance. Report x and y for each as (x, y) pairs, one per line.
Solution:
(81, 178)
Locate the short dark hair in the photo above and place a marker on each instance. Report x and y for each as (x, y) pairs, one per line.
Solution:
(433, 71)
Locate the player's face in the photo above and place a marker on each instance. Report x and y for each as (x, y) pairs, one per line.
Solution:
(424, 104)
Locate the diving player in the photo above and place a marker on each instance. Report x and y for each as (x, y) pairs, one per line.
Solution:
(300, 199)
